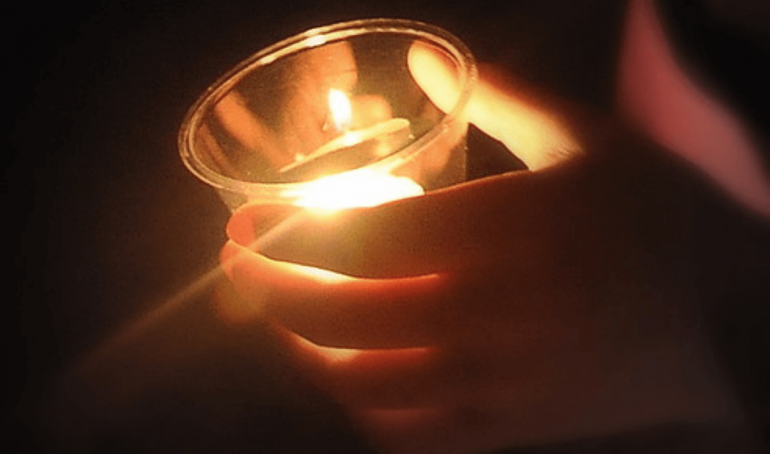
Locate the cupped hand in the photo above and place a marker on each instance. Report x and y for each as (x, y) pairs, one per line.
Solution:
(540, 305)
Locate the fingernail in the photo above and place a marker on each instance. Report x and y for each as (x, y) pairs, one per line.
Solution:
(240, 228)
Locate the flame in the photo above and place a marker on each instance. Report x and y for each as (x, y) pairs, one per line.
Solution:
(340, 109)
(357, 188)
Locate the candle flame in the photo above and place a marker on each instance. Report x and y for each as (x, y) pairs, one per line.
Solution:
(340, 109)
(357, 188)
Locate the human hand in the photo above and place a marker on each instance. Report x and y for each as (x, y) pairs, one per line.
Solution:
(532, 306)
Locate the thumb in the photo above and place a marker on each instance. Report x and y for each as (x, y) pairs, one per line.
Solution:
(532, 126)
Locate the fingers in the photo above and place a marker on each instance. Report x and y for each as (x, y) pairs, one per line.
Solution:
(339, 311)
(254, 221)
(435, 74)
(530, 125)
(443, 231)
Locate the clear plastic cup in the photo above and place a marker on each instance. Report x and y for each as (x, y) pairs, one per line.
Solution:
(335, 103)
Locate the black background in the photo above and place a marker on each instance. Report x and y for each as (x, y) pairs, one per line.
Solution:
(106, 223)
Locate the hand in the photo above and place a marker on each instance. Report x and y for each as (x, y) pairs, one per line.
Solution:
(541, 305)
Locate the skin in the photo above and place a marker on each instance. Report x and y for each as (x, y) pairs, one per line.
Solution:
(568, 300)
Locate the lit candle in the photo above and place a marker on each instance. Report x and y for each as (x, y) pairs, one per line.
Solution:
(358, 185)
(354, 148)
(347, 183)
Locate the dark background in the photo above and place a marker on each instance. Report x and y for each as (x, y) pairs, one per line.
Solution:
(107, 224)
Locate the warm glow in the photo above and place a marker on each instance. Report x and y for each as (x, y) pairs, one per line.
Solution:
(340, 109)
(357, 188)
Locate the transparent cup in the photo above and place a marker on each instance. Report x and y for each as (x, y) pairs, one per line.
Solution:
(336, 103)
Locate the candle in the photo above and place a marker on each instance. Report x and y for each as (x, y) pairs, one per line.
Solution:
(356, 185)
(354, 148)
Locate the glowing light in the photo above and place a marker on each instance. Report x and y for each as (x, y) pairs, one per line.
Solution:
(363, 187)
(357, 188)
(340, 109)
